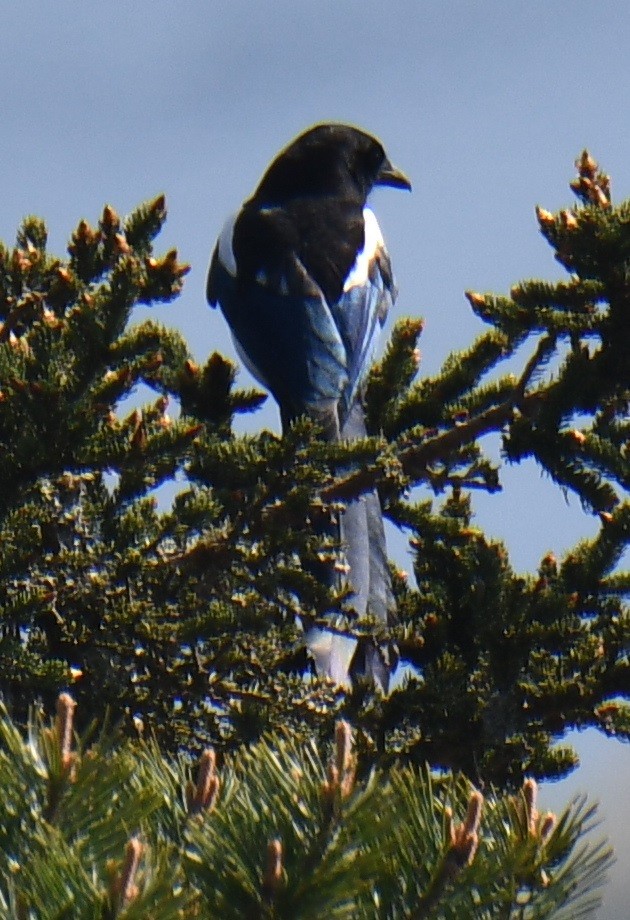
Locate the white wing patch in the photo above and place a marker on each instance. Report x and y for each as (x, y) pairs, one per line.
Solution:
(360, 271)
(226, 253)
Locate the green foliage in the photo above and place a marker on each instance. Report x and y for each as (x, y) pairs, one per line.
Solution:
(189, 621)
(115, 830)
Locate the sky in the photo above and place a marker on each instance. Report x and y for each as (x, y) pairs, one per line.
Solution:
(485, 105)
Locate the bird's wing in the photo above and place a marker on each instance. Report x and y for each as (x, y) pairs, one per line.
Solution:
(313, 355)
(362, 309)
(283, 328)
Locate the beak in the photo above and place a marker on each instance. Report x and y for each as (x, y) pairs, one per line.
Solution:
(390, 175)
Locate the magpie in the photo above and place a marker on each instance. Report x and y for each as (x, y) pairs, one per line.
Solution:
(303, 278)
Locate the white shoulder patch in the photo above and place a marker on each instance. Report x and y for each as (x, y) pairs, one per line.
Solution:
(360, 271)
(226, 253)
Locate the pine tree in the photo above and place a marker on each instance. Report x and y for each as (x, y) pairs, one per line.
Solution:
(187, 624)
(110, 830)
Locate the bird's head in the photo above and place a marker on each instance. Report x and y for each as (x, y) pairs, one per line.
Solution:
(329, 159)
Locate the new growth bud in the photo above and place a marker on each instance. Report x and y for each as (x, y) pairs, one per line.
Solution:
(272, 879)
(158, 205)
(110, 220)
(342, 768)
(64, 729)
(202, 797)
(591, 186)
(121, 245)
(545, 218)
(534, 825)
(530, 795)
(475, 300)
(547, 826)
(139, 437)
(125, 887)
(586, 165)
(464, 838)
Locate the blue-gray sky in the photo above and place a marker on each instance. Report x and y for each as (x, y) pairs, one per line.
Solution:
(484, 104)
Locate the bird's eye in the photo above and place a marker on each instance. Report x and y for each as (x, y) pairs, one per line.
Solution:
(373, 158)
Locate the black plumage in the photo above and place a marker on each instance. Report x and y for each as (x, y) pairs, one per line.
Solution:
(303, 278)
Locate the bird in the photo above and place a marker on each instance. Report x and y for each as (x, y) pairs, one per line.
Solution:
(302, 275)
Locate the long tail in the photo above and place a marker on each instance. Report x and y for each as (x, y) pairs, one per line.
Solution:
(362, 537)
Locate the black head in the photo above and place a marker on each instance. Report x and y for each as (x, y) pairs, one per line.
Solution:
(329, 159)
